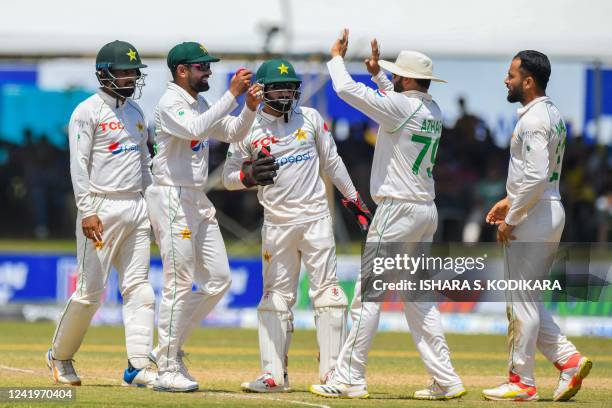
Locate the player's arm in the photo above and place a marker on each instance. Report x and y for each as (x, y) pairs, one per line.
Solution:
(535, 180)
(81, 131)
(235, 128)
(145, 161)
(333, 165)
(242, 171)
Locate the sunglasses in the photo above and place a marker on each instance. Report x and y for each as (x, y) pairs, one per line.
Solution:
(201, 66)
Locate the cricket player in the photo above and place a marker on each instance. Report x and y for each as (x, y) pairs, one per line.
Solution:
(110, 170)
(530, 221)
(403, 187)
(285, 155)
(182, 217)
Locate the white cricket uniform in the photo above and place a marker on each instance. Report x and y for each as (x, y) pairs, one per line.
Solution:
(109, 166)
(183, 218)
(402, 185)
(297, 222)
(536, 155)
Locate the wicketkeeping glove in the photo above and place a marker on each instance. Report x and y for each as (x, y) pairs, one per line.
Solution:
(360, 211)
(260, 171)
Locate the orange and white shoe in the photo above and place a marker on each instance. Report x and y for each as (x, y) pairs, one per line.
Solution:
(570, 379)
(511, 391)
(62, 371)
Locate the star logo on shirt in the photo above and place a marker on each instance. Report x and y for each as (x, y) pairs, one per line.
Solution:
(267, 256)
(186, 234)
(132, 54)
(99, 245)
(283, 69)
(140, 126)
(301, 135)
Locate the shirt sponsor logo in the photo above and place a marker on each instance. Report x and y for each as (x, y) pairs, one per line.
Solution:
(111, 126)
(197, 145)
(265, 141)
(381, 93)
(297, 158)
(116, 148)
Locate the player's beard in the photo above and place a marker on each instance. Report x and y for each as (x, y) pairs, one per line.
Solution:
(199, 85)
(515, 95)
(125, 92)
(398, 86)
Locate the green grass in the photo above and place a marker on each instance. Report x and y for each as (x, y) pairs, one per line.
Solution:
(222, 358)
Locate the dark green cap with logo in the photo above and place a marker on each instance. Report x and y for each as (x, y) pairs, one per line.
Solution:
(276, 70)
(189, 53)
(118, 55)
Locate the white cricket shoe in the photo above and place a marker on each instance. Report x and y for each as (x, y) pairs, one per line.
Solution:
(174, 381)
(570, 380)
(511, 391)
(266, 383)
(179, 361)
(62, 371)
(436, 392)
(144, 377)
(334, 389)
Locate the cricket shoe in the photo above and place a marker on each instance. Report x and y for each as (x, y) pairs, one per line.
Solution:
(266, 383)
(174, 381)
(134, 377)
(438, 393)
(334, 389)
(179, 361)
(571, 376)
(62, 370)
(511, 391)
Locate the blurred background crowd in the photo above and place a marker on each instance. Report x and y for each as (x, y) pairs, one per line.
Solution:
(36, 198)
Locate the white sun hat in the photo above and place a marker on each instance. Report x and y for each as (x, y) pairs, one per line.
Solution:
(411, 64)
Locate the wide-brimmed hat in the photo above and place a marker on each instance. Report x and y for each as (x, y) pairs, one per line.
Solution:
(411, 64)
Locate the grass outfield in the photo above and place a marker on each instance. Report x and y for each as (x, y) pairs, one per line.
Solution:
(222, 358)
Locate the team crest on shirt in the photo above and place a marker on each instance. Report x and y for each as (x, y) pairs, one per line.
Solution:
(267, 256)
(99, 245)
(185, 234)
(301, 136)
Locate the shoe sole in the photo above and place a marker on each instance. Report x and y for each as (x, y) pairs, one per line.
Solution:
(55, 374)
(337, 396)
(127, 384)
(443, 398)
(576, 382)
(269, 391)
(533, 398)
(164, 389)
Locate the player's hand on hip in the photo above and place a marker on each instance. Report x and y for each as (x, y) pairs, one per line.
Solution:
(362, 214)
(240, 82)
(340, 45)
(254, 96)
(372, 62)
(504, 233)
(498, 212)
(92, 228)
(260, 171)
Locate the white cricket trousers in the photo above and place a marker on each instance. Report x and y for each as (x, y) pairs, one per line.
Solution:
(398, 221)
(126, 246)
(531, 325)
(193, 253)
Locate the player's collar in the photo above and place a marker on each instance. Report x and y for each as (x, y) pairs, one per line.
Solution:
(522, 110)
(418, 94)
(111, 99)
(190, 99)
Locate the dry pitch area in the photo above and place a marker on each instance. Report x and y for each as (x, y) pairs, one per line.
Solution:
(222, 358)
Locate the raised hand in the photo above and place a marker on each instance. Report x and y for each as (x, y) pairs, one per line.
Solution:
(372, 62)
(254, 96)
(240, 82)
(340, 45)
